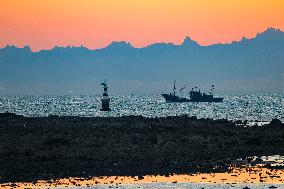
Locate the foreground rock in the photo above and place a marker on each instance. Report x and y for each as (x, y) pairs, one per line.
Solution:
(58, 147)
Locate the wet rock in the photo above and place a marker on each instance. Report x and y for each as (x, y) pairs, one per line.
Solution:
(57, 142)
(238, 122)
(275, 123)
(253, 142)
(56, 147)
(10, 116)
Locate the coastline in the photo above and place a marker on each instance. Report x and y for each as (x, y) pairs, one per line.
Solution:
(56, 147)
(235, 177)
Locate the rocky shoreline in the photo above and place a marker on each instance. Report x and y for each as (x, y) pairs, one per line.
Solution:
(33, 148)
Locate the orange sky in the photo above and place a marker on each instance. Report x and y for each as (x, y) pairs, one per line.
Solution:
(42, 24)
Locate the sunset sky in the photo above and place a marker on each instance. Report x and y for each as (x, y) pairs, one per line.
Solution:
(43, 24)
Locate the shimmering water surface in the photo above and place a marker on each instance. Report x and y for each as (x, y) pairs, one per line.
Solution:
(245, 107)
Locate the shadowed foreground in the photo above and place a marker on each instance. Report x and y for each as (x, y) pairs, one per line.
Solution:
(59, 147)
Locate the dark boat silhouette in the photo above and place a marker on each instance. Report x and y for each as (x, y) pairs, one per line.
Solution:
(195, 96)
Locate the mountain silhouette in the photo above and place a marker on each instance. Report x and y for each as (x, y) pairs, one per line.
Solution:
(248, 65)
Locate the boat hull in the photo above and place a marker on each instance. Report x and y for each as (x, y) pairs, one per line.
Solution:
(173, 98)
(208, 100)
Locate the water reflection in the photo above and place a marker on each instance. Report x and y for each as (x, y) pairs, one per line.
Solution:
(244, 107)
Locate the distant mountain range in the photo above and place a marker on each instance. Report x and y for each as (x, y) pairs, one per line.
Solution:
(248, 65)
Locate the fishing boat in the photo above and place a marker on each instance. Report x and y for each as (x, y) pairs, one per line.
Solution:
(195, 96)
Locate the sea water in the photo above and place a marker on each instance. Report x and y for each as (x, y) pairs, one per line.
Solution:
(260, 107)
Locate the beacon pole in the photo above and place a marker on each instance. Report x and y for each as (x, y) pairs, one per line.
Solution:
(105, 99)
